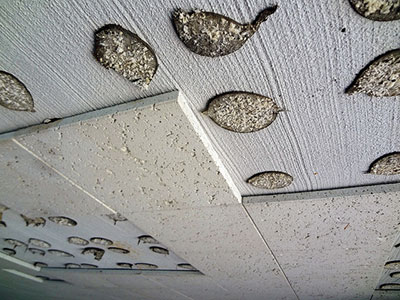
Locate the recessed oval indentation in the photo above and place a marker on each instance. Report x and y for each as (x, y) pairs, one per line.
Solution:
(159, 250)
(126, 53)
(9, 251)
(15, 243)
(377, 10)
(186, 266)
(13, 93)
(77, 241)
(390, 286)
(118, 250)
(96, 252)
(147, 239)
(242, 112)
(60, 253)
(65, 221)
(72, 266)
(124, 265)
(36, 251)
(393, 265)
(146, 266)
(39, 243)
(395, 274)
(40, 264)
(88, 266)
(271, 180)
(389, 164)
(101, 241)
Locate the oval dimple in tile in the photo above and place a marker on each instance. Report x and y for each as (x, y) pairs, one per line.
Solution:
(3, 224)
(9, 251)
(13, 93)
(159, 250)
(72, 266)
(15, 243)
(186, 267)
(390, 286)
(377, 10)
(125, 265)
(380, 78)
(40, 264)
(126, 53)
(96, 252)
(39, 243)
(270, 180)
(60, 253)
(118, 250)
(101, 241)
(36, 251)
(88, 266)
(147, 239)
(43, 277)
(146, 266)
(389, 164)
(395, 274)
(77, 241)
(393, 265)
(242, 112)
(35, 222)
(65, 221)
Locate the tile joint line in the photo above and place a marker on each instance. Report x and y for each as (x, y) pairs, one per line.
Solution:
(63, 176)
(270, 251)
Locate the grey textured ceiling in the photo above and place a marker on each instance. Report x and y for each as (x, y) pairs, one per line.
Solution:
(300, 57)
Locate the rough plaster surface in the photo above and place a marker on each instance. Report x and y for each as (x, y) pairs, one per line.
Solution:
(300, 57)
(331, 246)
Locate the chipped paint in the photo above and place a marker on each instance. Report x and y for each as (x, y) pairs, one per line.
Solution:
(211, 34)
(88, 266)
(16, 243)
(13, 93)
(34, 221)
(381, 78)
(271, 180)
(388, 164)
(242, 112)
(96, 252)
(117, 217)
(186, 267)
(72, 266)
(40, 264)
(125, 53)
(124, 265)
(377, 10)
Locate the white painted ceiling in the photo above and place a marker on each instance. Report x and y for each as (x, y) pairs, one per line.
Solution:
(332, 246)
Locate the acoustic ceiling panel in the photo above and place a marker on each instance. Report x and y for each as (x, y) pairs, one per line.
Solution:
(336, 245)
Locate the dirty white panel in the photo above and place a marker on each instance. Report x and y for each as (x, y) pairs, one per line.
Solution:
(222, 243)
(331, 246)
(34, 189)
(304, 56)
(142, 157)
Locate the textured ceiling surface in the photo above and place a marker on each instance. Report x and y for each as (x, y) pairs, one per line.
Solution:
(304, 56)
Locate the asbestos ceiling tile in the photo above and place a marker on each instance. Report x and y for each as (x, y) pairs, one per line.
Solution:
(143, 155)
(345, 239)
(221, 242)
(34, 189)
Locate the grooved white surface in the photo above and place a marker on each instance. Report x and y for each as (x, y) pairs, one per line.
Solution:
(299, 57)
